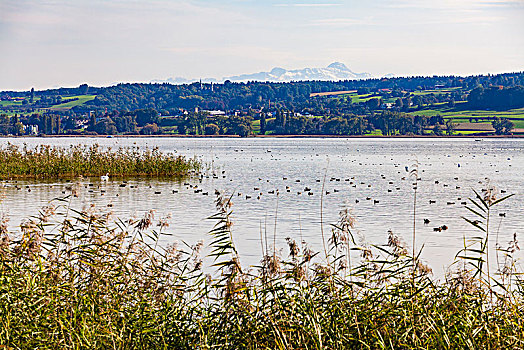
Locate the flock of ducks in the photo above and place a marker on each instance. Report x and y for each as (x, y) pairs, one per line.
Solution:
(293, 186)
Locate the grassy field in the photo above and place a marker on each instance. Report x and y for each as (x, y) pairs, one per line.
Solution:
(10, 103)
(435, 92)
(332, 93)
(81, 99)
(354, 97)
(460, 112)
(67, 102)
(256, 126)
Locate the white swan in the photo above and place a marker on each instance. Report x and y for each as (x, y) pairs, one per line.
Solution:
(105, 177)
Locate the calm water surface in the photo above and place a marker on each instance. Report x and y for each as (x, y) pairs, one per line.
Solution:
(367, 176)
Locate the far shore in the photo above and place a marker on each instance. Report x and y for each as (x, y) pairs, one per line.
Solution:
(471, 136)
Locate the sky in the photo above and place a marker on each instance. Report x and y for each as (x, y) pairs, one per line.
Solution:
(53, 43)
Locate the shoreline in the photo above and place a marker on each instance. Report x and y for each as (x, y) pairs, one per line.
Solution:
(277, 136)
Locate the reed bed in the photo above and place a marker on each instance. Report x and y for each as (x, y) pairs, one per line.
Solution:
(46, 161)
(81, 279)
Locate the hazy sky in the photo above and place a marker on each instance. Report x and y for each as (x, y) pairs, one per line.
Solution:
(50, 43)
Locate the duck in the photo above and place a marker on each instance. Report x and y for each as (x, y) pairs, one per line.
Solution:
(104, 177)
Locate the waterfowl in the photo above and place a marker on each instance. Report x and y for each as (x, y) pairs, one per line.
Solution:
(105, 177)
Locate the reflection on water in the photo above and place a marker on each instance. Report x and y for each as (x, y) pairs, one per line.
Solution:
(277, 185)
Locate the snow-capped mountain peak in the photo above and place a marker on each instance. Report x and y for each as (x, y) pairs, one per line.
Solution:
(335, 71)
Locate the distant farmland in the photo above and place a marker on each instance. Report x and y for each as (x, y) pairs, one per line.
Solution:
(332, 93)
(73, 102)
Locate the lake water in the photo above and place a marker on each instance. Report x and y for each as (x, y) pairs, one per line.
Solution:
(367, 176)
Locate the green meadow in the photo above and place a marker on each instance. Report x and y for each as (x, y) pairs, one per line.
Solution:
(75, 101)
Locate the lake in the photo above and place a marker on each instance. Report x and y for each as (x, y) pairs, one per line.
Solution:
(368, 176)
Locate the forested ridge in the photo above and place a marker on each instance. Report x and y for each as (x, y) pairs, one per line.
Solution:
(406, 105)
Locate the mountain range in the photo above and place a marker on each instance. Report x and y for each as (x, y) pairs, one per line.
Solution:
(334, 72)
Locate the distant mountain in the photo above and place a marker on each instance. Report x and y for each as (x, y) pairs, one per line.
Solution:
(334, 72)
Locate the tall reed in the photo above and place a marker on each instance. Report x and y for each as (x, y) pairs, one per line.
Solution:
(82, 279)
(46, 161)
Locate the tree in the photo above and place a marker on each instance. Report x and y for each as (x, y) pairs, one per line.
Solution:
(336, 126)
(373, 103)
(502, 126)
(212, 129)
(49, 126)
(83, 89)
(404, 124)
(200, 121)
(58, 125)
(182, 129)
(45, 125)
(146, 116)
(17, 129)
(417, 100)
(106, 127)
(92, 121)
(278, 119)
(450, 127)
(296, 125)
(149, 129)
(356, 125)
(239, 126)
(437, 130)
(263, 124)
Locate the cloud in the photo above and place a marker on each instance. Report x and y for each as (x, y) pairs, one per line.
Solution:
(307, 5)
(341, 22)
(501, 3)
(453, 4)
